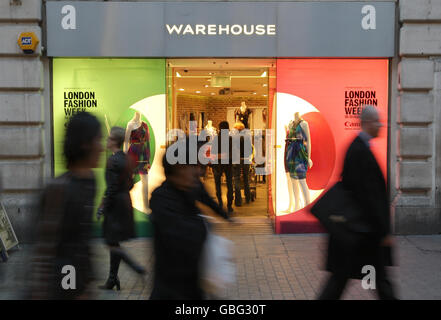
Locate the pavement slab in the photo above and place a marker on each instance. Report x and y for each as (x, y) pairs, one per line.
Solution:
(288, 267)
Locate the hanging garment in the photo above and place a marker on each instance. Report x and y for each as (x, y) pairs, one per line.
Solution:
(296, 154)
(139, 150)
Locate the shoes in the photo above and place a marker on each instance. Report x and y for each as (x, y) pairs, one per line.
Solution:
(110, 283)
(230, 210)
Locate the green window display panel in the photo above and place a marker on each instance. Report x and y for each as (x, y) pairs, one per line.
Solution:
(116, 91)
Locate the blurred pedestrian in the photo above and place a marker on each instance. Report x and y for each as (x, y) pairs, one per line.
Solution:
(117, 208)
(179, 231)
(61, 264)
(223, 165)
(242, 153)
(363, 177)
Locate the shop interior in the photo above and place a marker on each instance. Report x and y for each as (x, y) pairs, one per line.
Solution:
(209, 91)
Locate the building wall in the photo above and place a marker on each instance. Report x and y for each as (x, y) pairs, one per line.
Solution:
(21, 113)
(415, 143)
(416, 189)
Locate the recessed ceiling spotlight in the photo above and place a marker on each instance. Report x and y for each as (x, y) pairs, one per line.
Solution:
(181, 89)
(264, 85)
(206, 86)
(254, 93)
(265, 95)
(198, 92)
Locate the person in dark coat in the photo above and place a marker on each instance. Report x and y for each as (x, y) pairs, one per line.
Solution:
(242, 154)
(179, 232)
(363, 176)
(223, 165)
(64, 222)
(117, 208)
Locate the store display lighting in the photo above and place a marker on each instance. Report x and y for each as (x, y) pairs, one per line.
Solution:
(263, 74)
(181, 89)
(178, 74)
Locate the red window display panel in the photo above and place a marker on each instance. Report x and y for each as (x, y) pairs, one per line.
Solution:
(329, 95)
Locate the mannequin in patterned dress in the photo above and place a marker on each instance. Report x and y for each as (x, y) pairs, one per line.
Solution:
(297, 161)
(137, 146)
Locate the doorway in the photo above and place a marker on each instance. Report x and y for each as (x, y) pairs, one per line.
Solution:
(206, 92)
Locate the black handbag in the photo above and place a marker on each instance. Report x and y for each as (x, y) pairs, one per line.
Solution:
(341, 215)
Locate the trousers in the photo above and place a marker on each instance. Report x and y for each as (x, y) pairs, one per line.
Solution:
(218, 170)
(337, 283)
(238, 171)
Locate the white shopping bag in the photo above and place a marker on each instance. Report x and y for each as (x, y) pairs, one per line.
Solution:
(218, 267)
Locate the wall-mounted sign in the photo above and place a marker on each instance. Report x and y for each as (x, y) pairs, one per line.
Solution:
(28, 42)
(220, 29)
(8, 239)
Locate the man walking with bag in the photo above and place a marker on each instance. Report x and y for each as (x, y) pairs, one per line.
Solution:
(364, 180)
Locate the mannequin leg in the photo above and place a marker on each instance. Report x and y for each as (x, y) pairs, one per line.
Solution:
(296, 190)
(145, 190)
(305, 191)
(290, 192)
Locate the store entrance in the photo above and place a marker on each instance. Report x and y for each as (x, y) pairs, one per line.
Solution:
(203, 93)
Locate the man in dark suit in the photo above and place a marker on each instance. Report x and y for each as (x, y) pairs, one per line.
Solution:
(364, 178)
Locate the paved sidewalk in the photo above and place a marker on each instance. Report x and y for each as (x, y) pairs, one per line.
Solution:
(268, 267)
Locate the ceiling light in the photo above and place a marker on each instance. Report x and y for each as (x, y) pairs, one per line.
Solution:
(265, 95)
(254, 93)
(181, 89)
(264, 85)
(198, 92)
(178, 74)
(212, 93)
(206, 86)
(263, 74)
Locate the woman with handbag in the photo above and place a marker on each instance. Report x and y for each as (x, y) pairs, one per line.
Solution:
(117, 208)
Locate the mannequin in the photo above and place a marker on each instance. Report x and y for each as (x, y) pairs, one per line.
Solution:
(210, 129)
(242, 114)
(137, 146)
(297, 161)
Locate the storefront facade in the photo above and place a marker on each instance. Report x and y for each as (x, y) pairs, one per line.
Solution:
(323, 74)
(323, 60)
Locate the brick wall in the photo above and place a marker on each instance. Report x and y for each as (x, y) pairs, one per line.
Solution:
(215, 107)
